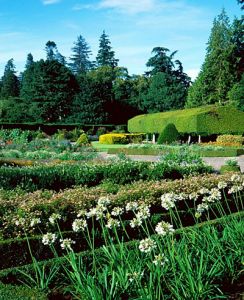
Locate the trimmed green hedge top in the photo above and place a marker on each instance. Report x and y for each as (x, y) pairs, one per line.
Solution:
(205, 120)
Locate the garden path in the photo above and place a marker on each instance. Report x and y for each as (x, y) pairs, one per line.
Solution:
(215, 162)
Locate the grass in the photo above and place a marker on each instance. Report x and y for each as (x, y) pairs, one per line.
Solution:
(104, 147)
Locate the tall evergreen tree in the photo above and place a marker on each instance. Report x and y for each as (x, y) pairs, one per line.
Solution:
(29, 61)
(10, 82)
(106, 56)
(218, 73)
(81, 56)
(168, 83)
(52, 53)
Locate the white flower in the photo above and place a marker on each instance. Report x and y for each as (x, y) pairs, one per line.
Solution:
(181, 196)
(235, 189)
(236, 178)
(215, 194)
(164, 228)
(97, 212)
(49, 238)
(54, 217)
(202, 207)
(204, 191)
(134, 276)
(143, 212)
(222, 184)
(147, 245)
(35, 221)
(131, 206)
(160, 259)
(193, 196)
(136, 222)
(20, 222)
(103, 201)
(112, 223)
(168, 200)
(66, 244)
(117, 211)
(81, 213)
(79, 224)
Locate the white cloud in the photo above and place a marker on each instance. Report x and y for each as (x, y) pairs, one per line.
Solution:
(83, 6)
(129, 6)
(192, 73)
(48, 2)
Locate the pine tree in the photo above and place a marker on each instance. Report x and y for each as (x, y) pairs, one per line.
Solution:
(106, 56)
(80, 57)
(53, 53)
(10, 82)
(29, 61)
(218, 74)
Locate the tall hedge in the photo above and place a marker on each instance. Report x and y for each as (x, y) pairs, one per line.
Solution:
(168, 135)
(205, 120)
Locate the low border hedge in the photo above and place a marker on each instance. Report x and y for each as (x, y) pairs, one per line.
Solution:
(17, 292)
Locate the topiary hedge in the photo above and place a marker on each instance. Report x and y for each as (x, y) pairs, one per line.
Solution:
(205, 120)
(120, 138)
(168, 135)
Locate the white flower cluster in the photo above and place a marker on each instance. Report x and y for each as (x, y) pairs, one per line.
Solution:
(66, 244)
(222, 185)
(235, 188)
(131, 206)
(79, 225)
(214, 195)
(54, 217)
(81, 213)
(103, 201)
(135, 276)
(168, 200)
(164, 228)
(49, 238)
(20, 222)
(97, 211)
(200, 209)
(112, 223)
(160, 260)
(135, 222)
(147, 245)
(117, 211)
(35, 221)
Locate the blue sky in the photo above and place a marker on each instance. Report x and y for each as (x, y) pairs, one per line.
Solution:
(134, 27)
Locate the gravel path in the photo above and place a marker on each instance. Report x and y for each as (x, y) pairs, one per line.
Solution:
(215, 162)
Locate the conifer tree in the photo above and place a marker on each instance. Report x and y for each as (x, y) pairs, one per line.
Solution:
(106, 56)
(10, 82)
(81, 57)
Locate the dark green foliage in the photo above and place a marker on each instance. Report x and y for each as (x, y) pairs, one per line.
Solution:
(168, 135)
(64, 176)
(205, 120)
(10, 82)
(220, 69)
(236, 94)
(105, 55)
(16, 292)
(167, 85)
(48, 88)
(80, 57)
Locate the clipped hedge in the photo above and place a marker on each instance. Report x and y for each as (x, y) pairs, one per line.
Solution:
(120, 138)
(169, 135)
(203, 152)
(205, 120)
(17, 292)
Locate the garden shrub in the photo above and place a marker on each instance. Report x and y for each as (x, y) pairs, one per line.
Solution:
(228, 139)
(82, 140)
(168, 135)
(16, 292)
(120, 138)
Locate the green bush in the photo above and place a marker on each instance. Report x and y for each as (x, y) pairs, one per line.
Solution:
(169, 135)
(82, 140)
(228, 138)
(64, 175)
(205, 120)
(15, 292)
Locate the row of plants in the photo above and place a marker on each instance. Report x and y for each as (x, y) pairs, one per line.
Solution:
(120, 171)
(196, 199)
(188, 263)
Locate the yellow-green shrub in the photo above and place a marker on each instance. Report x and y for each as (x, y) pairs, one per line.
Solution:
(120, 138)
(82, 140)
(230, 139)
